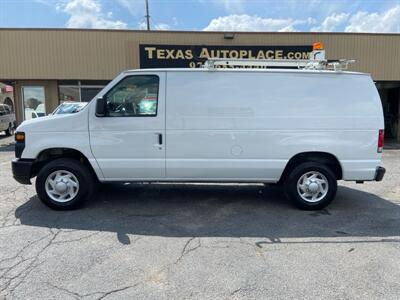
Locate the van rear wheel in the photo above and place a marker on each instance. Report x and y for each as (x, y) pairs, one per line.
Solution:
(311, 186)
(64, 184)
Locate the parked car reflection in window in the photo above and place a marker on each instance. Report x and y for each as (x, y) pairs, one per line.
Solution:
(69, 108)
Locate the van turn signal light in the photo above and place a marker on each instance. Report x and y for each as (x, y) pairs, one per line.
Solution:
(20, 137)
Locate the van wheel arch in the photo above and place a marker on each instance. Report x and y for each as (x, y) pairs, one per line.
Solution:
(50, 154)
(324, 158)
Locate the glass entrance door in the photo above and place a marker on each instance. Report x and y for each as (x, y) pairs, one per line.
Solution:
(33, 98)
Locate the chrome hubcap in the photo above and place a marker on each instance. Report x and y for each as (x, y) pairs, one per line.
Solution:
(62, 186)
(312, 186)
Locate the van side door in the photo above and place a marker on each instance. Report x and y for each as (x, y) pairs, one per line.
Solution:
(128, 142)
(219, 127)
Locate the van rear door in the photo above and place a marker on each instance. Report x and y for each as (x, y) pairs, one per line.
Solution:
(128, 142)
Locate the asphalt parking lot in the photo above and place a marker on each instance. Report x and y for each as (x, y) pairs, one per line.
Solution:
(158, 241)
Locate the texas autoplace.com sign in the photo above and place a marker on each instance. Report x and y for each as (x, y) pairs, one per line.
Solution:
(193, 56)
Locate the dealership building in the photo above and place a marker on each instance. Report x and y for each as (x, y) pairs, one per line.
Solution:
(40, 68)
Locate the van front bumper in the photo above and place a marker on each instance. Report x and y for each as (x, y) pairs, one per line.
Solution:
(379, 173)
(22, 170)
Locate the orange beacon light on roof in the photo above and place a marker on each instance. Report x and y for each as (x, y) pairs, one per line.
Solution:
(318, 46)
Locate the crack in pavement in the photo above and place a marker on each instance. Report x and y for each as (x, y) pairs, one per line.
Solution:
(106, 294)
(75, 294)
(12, 194)
(235, 292)
(19, 253)
(77, 239)
(28, 269)
(185, 249)
(32, 259)
(103, 294)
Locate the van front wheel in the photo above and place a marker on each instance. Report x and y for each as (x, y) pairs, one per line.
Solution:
(64, 184)
(311, 186)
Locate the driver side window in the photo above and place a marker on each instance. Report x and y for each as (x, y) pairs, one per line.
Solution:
(133, 96)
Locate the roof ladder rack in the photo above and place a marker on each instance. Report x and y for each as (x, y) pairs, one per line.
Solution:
(316, 62)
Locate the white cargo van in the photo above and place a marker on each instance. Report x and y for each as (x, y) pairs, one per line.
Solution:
(304, 129)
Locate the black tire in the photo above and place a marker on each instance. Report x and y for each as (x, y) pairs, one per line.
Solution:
(79, 170)
(10, 130)
(290, 185)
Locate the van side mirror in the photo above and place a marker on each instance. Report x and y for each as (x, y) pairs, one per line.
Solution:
(100, 107)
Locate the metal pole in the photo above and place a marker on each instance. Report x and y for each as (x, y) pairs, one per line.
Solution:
(147, 16)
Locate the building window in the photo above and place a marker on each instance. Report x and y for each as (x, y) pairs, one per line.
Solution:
(68, 93)
(88, 93)
(80, 91)
(33, 98)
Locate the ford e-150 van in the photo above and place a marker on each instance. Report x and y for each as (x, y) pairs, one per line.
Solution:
(304, 129)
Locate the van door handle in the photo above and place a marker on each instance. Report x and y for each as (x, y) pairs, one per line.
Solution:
(159, 141)
(160, 138)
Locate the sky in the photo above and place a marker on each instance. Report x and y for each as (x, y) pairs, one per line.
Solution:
(213, 15)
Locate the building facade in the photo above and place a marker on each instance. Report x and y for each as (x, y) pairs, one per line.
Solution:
(45, 67)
